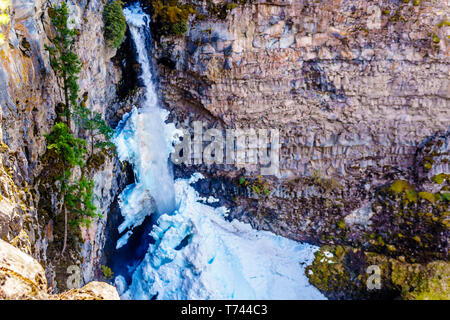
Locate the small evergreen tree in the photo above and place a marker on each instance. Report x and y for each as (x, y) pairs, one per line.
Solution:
(96, 128)
(63, 59)
(70, 152)
(77, 196)
(69, 149)
(80, 201)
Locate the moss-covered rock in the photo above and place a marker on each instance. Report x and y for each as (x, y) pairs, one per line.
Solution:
(422, 282)
(410, 222)
(347, 273)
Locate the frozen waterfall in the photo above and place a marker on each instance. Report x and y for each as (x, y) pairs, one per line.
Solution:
(142, 142)
(196, 252)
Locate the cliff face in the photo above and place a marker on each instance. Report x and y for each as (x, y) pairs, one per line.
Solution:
(359, 91)
(29, 94)
(353, 86)
(23, 278)
(345, 82)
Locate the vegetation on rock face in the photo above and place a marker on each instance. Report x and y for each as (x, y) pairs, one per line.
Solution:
(107, 272)
(115, 24)
(79, 200)
(411, 223)
(68, 149)
(170, 16)
(407, 239)
(256, 186)
(96, 128)
(345, 273)
(221, 10)
(63, 59)
(64, 149)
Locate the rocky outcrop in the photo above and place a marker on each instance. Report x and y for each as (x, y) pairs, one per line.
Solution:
(23, 278)
(347, 273)
(350, 86)
(29, 97)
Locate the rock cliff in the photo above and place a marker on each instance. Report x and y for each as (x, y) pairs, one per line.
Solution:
(29, 96)
(359, 91)
(354, 87)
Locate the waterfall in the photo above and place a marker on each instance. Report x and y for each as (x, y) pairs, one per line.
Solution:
(196, 253)
(142, 141)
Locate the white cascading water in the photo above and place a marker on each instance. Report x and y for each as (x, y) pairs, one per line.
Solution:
(197, 253)
(142, 142)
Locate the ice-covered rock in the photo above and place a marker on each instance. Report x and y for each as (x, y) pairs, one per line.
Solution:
(199, 255)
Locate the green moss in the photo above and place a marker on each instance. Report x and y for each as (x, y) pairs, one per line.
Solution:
(440, 178)
(341, 224)
(444, 196)
(427, 196)
(435, 38)
(327, 272)
(180, 27)
(422, 282)
(400, 187)
(115, 24)
(107, 272)
(341, 273)
(444, 23)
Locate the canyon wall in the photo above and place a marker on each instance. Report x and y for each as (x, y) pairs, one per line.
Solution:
(29, 95)
(354, 87)
(359, 91)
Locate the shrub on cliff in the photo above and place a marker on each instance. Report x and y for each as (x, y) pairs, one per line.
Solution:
(80, 201)
(115, 24)
(4, 17)
(68, 148)
(171, 17)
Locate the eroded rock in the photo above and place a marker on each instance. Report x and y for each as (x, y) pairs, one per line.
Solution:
(23, 278)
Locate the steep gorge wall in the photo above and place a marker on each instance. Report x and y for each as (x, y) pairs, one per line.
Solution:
(29, 95)
(346, 84)
(353, 86)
